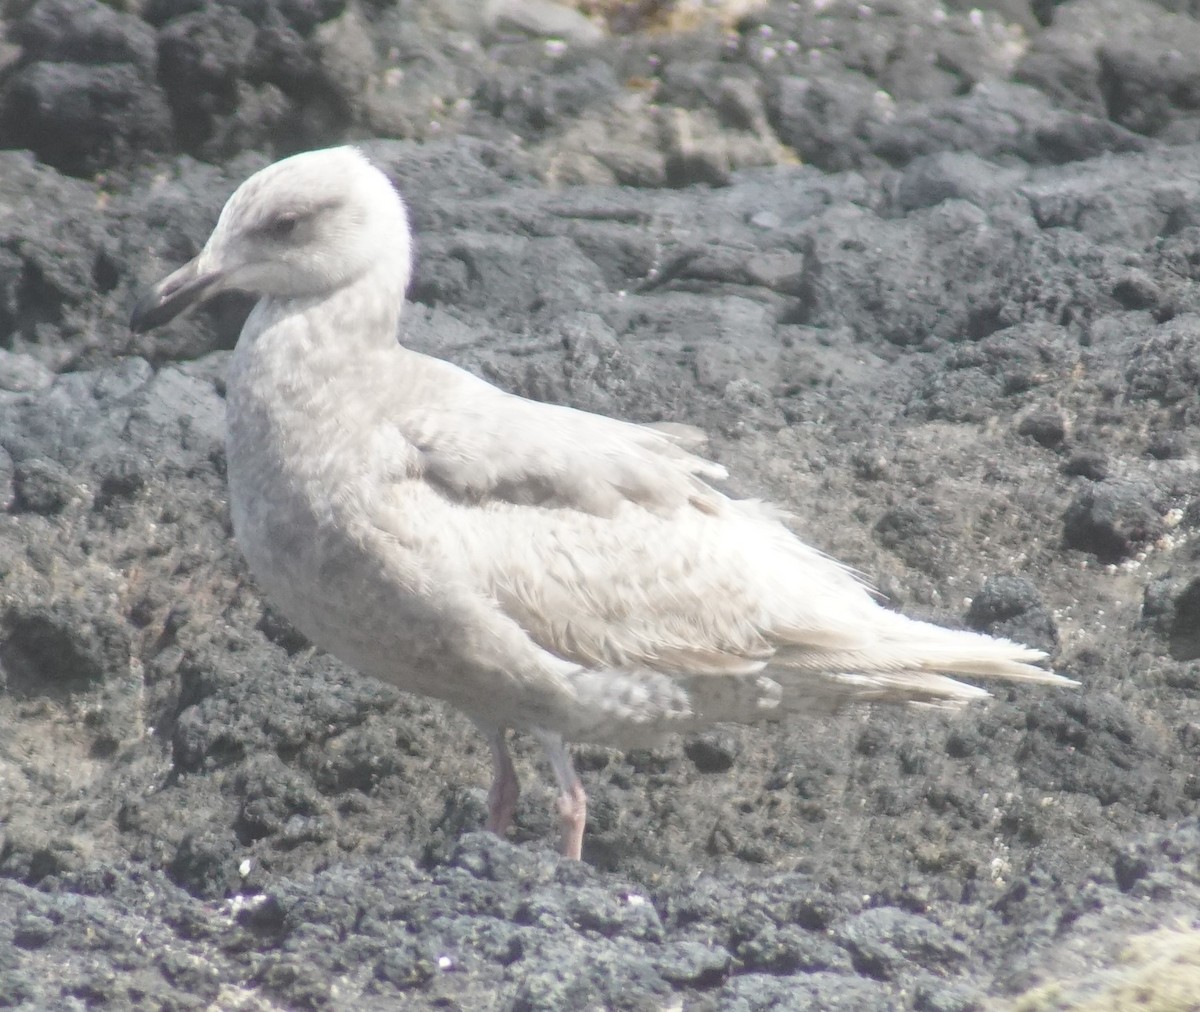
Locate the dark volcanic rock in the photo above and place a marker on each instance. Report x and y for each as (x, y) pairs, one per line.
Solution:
(82, 97)
(1112, 520)
(1010, 607)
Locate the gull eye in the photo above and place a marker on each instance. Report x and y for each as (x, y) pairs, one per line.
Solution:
(279, 227)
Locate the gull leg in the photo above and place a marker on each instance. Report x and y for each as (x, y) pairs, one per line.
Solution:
(502, 795)
(572, 802)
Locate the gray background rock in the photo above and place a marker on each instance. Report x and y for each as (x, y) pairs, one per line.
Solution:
(927, 276)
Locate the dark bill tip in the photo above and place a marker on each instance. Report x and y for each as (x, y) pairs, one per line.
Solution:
(170, 297)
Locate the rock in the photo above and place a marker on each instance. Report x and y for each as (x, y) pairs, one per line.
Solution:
(83, 97)
(541, 18)
(1112, 520)
(1010, 607)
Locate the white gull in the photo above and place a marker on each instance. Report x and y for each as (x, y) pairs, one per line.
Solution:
(541, 568)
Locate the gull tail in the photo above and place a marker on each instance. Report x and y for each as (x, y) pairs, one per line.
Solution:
(913, 662)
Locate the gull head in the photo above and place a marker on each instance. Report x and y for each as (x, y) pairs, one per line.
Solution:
(303, 227)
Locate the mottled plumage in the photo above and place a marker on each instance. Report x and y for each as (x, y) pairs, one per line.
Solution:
(542, 568)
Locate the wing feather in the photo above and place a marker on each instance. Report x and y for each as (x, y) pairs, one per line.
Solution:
(479, 444)
(659, 602)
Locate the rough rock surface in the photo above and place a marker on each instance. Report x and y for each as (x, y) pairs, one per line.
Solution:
(928, 276)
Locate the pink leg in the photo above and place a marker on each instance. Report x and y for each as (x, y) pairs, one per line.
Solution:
(572, 814)
(502, 795)
(572, 801)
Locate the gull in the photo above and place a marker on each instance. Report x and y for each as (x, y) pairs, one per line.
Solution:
(543, 569)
